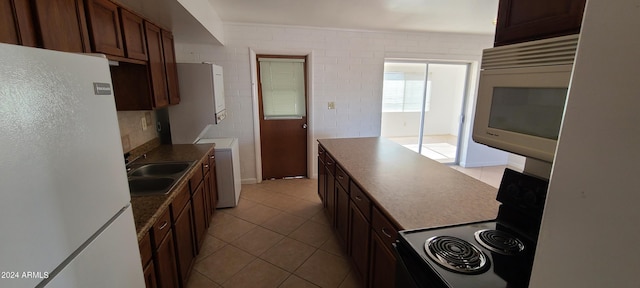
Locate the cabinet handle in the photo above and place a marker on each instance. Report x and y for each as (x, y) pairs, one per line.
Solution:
(206, 166)
(340, 177)
(384, 231)
(329, 163)
(163, 225)
(359, 199)
(213, 157)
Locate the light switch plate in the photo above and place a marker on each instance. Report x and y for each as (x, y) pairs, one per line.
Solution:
(331, 105)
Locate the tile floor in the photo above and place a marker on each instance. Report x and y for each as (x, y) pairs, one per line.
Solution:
(278, 236)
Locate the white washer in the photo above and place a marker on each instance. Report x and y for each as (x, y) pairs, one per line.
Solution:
(227, 170)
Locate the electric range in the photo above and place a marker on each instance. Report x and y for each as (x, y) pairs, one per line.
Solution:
(496, 253)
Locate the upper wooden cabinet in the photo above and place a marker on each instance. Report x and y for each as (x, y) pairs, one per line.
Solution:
(170, 67)
(135, 43)
(156, 65)
(16, 23)
(526, 20)
(104, 24)
(62, 25)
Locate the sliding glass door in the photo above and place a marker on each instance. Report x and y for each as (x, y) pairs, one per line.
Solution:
(422, 106)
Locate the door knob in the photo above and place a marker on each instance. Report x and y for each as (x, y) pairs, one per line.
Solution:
(304, 126)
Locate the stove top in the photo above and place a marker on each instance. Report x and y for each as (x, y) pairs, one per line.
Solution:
(479, 255)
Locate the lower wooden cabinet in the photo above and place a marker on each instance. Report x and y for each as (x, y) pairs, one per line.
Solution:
(175, 239)
(150, 276)
(364, 231)
(199, 215)
(166, 271)
(359, 241)
(382, 271)
(185, 249)
(342, 215)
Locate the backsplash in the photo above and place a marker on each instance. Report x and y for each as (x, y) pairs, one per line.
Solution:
(131, 128)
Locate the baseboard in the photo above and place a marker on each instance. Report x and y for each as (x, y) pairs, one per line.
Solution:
(249, 181)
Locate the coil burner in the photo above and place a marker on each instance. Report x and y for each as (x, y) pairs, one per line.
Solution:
(456, 254)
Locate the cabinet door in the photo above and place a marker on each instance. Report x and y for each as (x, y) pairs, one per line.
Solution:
(166, 263)
(135, 44)
(104, 24)
(322, 177)
(382, 273)
(359, 241)
(523, 20)
(331, 198)
(62, 25)
(342, 215)
(183, 229)
(150, 276)
(16, 23)
(170, 67)
(156, 65)
(199, 216)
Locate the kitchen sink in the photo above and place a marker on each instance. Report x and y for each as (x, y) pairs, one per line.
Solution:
(156, 169)
(156, 178)
(150, 185)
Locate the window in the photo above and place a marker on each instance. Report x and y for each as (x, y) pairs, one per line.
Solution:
(283, 95)
(403, 87)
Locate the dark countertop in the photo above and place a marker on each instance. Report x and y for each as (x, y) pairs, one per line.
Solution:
(412, 190)
(146, 209)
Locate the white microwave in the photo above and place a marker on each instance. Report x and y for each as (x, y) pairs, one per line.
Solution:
(522, 94)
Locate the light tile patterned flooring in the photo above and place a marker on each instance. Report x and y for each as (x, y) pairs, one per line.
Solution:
(278, 236)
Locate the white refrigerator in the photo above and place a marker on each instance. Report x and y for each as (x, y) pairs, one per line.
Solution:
(65, 216)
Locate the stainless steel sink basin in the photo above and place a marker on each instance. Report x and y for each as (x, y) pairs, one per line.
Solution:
(155, 169)
(156, 178)
(150, 185)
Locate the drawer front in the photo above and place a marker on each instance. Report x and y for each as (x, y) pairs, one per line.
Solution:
(145, 249)
(162, 227)
(178, 204)
(330, 163)
(205, 164)
(381, 225)
(361, 200)
(321, 154)
(196, 178)
(342, 177)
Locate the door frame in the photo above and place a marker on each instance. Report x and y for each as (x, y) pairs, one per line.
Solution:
(253, 61)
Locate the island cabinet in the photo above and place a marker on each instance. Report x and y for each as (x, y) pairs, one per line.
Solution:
(322, 176)
(342, 207)
(359, 232)
(363, 231)
(524, 20)
(16, 23)
(382, 267)
(330, 188)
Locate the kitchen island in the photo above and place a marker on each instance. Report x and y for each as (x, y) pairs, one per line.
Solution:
(372, 187)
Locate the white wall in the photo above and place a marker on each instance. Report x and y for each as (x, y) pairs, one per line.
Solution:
(347, 70)
(590, 235)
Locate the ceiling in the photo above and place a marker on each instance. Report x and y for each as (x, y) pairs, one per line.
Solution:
(456, 16)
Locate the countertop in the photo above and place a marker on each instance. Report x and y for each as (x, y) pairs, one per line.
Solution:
(413, 191)
(146, 209)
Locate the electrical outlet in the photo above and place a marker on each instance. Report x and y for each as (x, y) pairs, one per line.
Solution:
(144, 123)
(331, 105)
